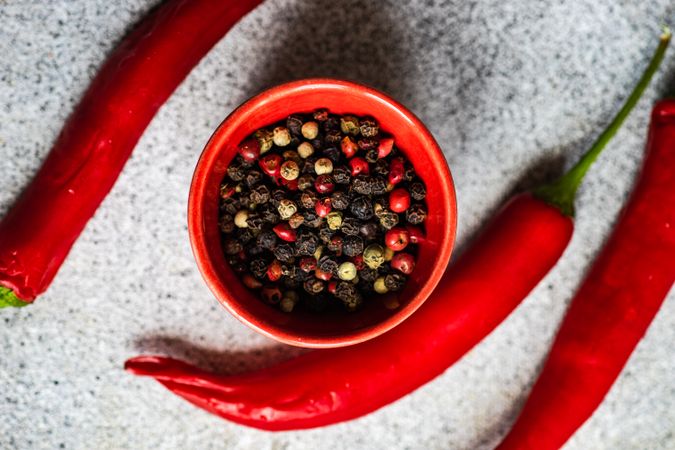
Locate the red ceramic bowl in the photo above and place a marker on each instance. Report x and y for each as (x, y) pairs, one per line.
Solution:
(303, 328)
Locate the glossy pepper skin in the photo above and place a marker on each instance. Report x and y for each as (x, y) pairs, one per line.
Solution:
(96, 141)
(613, 308)
(479, 291)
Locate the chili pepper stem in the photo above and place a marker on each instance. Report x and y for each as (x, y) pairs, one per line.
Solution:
(8, 298)
(561, 192)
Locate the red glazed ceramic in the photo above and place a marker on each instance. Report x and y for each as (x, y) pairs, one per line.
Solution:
(302, 328)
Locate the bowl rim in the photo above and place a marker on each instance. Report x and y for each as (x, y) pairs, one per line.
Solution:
(197, 233)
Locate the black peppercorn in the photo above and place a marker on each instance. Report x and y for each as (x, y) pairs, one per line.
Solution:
(260, 194)
(409, 173)
(269, 213)
(236, 172)
(350, 226)
(369, 231)
(230, 205)
(306, 243)
(349, 295)
(339, 200)
(352, 245)
(320, 115)
(258, 268)
(331, 123)
(325, 234)
(253, 249)
(244, 235)
(341, 175)
(255, 221)
(416, 214)
(361, 185)
(294, 124)
(371, 155)
(328, 265)
(418, 191)
(312, 220)
(369, 127)
(381, 167)
(368, 274)
(253, 177)
(226, 223)
(362, 208)
(232, 246)
(332, 137)
(378, 186)
(394, 281)
(277, 196)
(284, 252)
(313, 285)
(267, 240)
(332, 153)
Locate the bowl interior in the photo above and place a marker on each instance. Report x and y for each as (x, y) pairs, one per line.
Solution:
(300, 327)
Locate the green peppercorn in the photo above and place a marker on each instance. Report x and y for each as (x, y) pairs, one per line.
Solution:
(379, 286)
(334, 220)
(288, 301)
(281, 136)
(373, 256)
(349, 125)
(347, 271)
(265, 139)
(287, 208)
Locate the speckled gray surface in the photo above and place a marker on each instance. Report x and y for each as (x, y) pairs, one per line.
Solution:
(510, 89)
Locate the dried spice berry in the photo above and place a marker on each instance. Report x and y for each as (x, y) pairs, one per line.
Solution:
(287, 208)
(378, 186)
(226, 223)
(306, 243)
(274, 271)
(294, 124)
(236, 172)
(349, 125)
(267, 239)
(399, 200)
(277, 196)
(409, 173)
(244, 235)
(380, 286)
(323, 207)
(232, 246)
(362, 208)
(271, 294)
(230, 205)
(305, 150)
(403, 262)
(371, 154)
(361, 185)
(341, 175)
(312, 219)
(264, 138)
(328, 264)
(331, 123)
(253, 177)
(321, 275)
(241, 218)
(418, 191)
(284, 252)
(368, 274)
(359, 166)
(349, 295)
(285, 232)
(352, 245)
(394, 281)
(381, 167)
(271, 165)
(268, 213)
(308, 199)
(260, 194)
(333, 137)
(308, 165)
(369, 231)
(385, 147)
(296, 220)
(324, 184)
(320, 115)
(310, 130)
(351, 226)
(339, 200)
(335, 245)
(258, 268)
(325, 234)
(373, 256)
(346, 271)
(416, 214)
(332, 153)
(369, 127)
(290, 170)
(305, 182)
(253, 250)
(249, 150)
(313, 286)
(227, 190)
(281, 136)
(334, 220)
(348, 147)
(323, 166)
(308, 264)
(254, 221)
(251, 282)
(397, 238)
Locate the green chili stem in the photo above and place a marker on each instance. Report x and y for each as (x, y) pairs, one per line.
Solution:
(561, 192)
(8, 298)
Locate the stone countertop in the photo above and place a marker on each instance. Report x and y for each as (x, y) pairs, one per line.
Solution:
(511, 90)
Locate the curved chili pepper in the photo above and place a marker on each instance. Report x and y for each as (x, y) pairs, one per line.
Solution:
(38, 232)
(478, 292)
(614, 306)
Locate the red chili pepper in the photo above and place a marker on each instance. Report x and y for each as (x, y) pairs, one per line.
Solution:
(479, 291)
(98, 138)
(613, 308)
